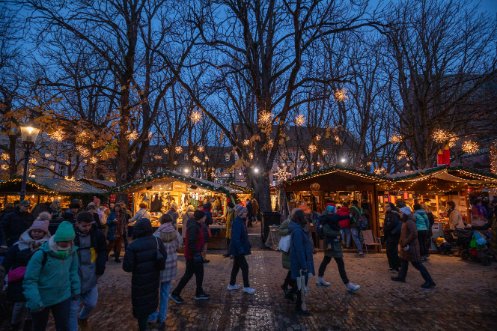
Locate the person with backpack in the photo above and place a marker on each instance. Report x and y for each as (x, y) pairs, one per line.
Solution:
(171, 240)
(13, 224)
(330, 231)
(145, 259)
(422, 224)
(239, 247)
(52, 279)
(391, 230)
(356, 221)
(92, 253)
(15, 263)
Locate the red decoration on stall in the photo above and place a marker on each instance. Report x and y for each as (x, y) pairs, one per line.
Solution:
(443, 156)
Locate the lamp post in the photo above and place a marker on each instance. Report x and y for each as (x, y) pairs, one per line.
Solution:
(28, 136)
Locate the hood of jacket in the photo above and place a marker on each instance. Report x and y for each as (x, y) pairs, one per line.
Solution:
(294, 226)
(50, 247)
(166, 232)
(25, 241)
(142, 229)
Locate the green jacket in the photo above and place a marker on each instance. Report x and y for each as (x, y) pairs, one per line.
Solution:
(333, 248)
(52, 283)
(284, 231)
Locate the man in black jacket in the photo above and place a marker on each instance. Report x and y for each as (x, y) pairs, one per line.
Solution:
(92, 253)
(15, 223)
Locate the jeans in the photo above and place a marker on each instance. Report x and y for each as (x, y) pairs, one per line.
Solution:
(60, 313)
(161, 315)
(346, 236)
(340, 264)
(239, 262)
(393, 252)
(191, 268)
(422, 235)
(88, 301)
(356, 235)
(404, 266)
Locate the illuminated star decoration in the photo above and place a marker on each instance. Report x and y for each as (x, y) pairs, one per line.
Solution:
(282, 174)
(300, 120)
(341, 95)
(57, 135)
(201, 149)
(265, 118)
(312, 148)
(396, 138)
(133, 135)
(196, 117)
(178, 149)
(443, 136)
(470, 147)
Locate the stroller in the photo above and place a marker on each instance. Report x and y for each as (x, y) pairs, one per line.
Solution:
(473, 246)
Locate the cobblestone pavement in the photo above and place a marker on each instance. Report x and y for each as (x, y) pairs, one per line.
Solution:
(465, 298)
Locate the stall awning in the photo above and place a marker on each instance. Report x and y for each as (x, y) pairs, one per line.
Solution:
(334, 179)
(168, 176)
(99, 183)
(50, 186)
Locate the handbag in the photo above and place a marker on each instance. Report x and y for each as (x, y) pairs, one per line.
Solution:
(16, 275)
(284, 244)
(160, 261)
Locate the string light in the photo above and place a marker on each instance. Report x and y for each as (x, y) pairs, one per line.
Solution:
(402, 154)
(201, 149)
(312, 148)
(265, 118)
(470, 147)
(5, 167)
(165, 150)
(93, 160)
(132, 135)
(178, 149)
(246, 142)
(318, 137)
(396, 138)
(196, 117)
(83, 151)
(300, 120)
(5, 157)
(341, 95)
(57, 135)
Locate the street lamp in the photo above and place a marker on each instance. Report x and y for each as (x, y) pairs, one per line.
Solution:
(28, 136)
(256, 170)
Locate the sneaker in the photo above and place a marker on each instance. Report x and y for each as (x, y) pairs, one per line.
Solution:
(202, 296)
(233, 287)
(351, 287)
(322, 282)
(429, 285)
(176, 298)
(249, 290)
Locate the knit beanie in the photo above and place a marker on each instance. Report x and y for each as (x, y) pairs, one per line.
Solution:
(65, 232)
(239, 210)
(39, 225)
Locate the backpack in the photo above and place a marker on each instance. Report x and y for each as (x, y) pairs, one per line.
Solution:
(363, 222)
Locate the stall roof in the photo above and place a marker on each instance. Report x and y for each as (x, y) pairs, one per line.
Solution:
(348, 176)
(449, 174)
(150, 180)
(50, 186)
(103, 184)
(238, 189)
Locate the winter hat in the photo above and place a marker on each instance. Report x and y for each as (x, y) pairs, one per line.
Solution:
(44, 216)
(65, 232)
(330, 209)
(198, 214)
(39, 225)
(85, 217)
(239, 210)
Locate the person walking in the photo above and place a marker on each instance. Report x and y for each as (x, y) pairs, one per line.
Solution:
(15, 263)
(188, 215)
(301, 260)
(331, 230)
(423, 225)
(92, 253)
(356, 213)
(409, 251)
(250, 211)
(193, 256)
(255, 210)
(239, 248)
(289, 286)
(141, 213)
(116, 231)
(15, 223)
(344, 223)
(171, 240)
(391, 230)
(230, 216)
(141, 260)
(52, 279)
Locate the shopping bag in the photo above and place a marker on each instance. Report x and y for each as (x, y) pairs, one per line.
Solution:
(284, 244)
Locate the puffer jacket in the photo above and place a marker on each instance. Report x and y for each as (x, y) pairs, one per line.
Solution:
(13, 225)
(239, 244)
(171, 240)
(139, 259)
(18, 256)
(422, 221)
(55, 281)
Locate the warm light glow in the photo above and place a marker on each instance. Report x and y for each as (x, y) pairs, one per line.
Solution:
(341, 95)
(178, 149)
(380, 171)
(396, 138)
(265, 118)
(343, 160)
(312, 148)
(5, 157)
(256, 170)
(470, 147)
(196, 117)
(300, 120)
(246, 142)
(402, 154)
(201, 149)
(165, 150)
(29, 134)
(196, 159)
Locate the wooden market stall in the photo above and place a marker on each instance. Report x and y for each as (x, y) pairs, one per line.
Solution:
(45, 190)
(434, 187)
(161, 190)
(336, 184)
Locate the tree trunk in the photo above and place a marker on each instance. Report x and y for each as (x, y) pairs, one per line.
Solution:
(262, 188)
(12, 156)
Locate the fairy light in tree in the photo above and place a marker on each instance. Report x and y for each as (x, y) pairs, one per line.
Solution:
(470, 147)
(201, 149)
(93, 160)
(178, 149)
(5, 157)
(318, 137)
(246, 142)
(282, 174)
(68, 162)
(302, 157)
(312, 148)
(493, 157)
(132, 135)
(57, 135)
(196, 159)
(396, 139)
(452, 141)
(380, 171)
(341, 95)
(300, 120)
(83, 151)
(402, 154)
(324, 152)
(268, 145)
(337, 140)
(251, 156)
(206, 158)
(196, 117)
(265, 118)
(52, 167)
(5, 167)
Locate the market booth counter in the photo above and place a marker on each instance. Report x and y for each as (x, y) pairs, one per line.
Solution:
(40, 191)
(336, 184)
(166, 188)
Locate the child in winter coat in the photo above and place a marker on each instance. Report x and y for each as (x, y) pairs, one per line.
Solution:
(171, 240)
(52, 279)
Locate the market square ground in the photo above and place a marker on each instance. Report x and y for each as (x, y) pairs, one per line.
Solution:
(465, 298)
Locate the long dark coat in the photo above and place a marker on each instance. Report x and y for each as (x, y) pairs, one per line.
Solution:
(140, 260)
(409, 236)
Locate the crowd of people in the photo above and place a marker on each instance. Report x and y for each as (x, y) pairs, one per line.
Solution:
(54, 260)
